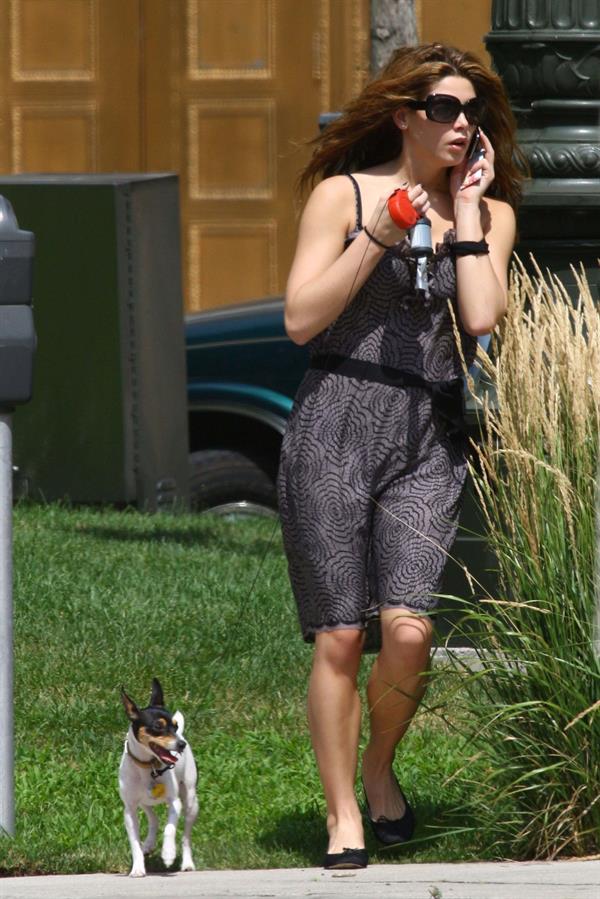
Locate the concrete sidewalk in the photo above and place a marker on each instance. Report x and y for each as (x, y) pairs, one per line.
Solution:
(500, 880)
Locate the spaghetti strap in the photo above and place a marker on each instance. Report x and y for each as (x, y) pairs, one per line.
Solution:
(358, 202)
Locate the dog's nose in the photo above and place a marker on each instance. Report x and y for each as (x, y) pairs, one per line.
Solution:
(181, 744)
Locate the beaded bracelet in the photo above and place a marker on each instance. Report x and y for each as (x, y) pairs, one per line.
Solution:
(372, 237)
(469, 247)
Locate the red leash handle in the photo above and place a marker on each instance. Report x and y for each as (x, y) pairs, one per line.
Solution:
(402, 212)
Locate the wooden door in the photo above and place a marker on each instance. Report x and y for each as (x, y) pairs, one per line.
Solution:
(69, 86)
(246, 82)
(223, 92)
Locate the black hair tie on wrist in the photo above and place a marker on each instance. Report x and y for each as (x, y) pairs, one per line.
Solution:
(384, 246)
(470, 247)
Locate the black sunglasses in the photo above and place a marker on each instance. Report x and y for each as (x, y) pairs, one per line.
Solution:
(444, 108)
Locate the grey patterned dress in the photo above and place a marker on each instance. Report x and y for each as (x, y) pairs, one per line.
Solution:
(371, 473)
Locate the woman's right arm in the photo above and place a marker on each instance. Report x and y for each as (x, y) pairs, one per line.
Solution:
(324, 278)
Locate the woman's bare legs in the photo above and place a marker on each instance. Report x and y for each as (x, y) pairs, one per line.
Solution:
(334, 721)
(394, 691)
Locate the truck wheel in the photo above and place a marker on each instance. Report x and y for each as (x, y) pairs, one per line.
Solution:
(229, 483)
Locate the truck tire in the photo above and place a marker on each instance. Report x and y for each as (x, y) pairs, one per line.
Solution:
(230, 483)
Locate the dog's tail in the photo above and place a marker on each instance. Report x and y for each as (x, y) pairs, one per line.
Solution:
(180, 720)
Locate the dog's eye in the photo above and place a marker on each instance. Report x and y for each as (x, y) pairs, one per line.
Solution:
(175, 724)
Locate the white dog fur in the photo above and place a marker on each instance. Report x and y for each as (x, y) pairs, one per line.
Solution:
(175, 787)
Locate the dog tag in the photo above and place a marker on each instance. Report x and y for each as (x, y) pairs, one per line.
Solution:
(157, 791)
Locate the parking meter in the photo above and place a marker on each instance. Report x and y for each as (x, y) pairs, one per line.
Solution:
(17, 333)
(17, 346)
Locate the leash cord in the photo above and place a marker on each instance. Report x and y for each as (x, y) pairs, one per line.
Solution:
(277, 520)
(261, 562)
(360, 264)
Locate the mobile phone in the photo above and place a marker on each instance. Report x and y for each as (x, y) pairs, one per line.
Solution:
(476, 152)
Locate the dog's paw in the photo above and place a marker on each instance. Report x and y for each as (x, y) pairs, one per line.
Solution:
(137, 871)
(187, 864)
(148, 847)
(168, 856)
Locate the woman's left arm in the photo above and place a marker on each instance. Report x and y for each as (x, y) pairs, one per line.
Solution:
(481, 280)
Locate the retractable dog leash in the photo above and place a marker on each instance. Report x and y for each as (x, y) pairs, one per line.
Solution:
(401, 210)
(421, 248)
(405, 216)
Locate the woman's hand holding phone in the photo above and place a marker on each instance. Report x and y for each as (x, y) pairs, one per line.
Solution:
(471, 179)
(474, 155)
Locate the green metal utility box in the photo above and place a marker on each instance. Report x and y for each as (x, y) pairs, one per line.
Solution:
(108, 419)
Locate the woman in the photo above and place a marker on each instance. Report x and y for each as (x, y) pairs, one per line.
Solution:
(373, 462)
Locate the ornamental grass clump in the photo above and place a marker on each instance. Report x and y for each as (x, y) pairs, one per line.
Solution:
(533, 704)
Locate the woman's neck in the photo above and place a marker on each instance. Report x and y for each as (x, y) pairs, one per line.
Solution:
(428, 174)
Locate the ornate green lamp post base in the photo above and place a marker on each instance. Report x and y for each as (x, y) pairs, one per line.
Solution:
(548, 55)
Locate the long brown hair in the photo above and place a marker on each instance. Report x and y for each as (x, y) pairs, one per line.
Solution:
(365, 135)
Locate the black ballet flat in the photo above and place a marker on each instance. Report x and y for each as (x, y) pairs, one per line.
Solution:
(348, 858)
(392, 831)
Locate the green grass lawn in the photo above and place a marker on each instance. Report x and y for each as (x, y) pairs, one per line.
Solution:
(104, 598)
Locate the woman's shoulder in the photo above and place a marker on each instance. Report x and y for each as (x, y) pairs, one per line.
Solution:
(334, 187)
(502, 207)
(333, 199)
(497, 214)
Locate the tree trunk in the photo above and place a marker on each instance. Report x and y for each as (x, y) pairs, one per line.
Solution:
(393, 24)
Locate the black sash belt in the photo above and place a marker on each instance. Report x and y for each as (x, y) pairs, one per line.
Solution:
(447, 396)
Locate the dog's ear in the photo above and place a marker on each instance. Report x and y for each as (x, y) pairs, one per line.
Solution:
(156, 697)
(131, 709)
(179, 722)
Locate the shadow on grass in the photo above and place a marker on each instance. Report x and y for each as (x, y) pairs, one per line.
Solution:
(443, 832)
(301, 832)
(202, 537)
(440, 829)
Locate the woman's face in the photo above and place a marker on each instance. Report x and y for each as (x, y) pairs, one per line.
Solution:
(448, 142)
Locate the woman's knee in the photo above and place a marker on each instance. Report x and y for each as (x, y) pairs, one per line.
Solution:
(405, 633)
(340, 649)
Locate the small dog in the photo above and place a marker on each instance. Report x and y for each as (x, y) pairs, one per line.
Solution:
(157, 766)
